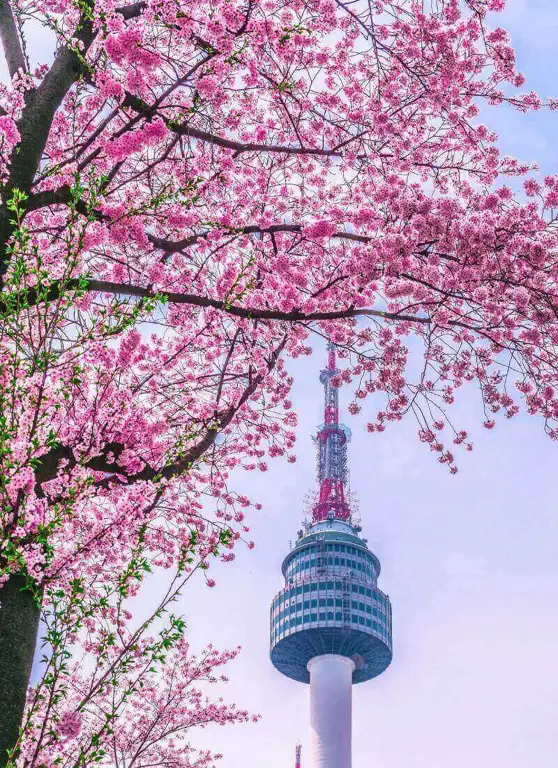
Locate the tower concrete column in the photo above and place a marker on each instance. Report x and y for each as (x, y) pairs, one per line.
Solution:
(331, 678)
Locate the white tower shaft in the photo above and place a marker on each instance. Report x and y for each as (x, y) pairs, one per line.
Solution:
(331, 678)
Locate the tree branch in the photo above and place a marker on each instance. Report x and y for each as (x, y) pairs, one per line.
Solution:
(9, 34)
(62, 196)
(131, 11)
(36, 120)
(192, 299)
(185, 129)
(175, 246)
(37, 116)
(49, 465)
(251, 313)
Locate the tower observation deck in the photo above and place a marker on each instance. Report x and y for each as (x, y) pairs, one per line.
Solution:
(331, 624)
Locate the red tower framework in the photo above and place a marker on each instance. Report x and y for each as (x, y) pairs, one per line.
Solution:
(331, 439)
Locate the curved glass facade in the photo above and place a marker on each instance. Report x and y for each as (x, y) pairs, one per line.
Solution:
(338, 602)
(336, 557)
(331, 598)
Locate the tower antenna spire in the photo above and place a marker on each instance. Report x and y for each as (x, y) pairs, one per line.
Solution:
(298, 751)
(331, 356)
(331, 440)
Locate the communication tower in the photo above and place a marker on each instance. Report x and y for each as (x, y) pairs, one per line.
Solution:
(331, 624)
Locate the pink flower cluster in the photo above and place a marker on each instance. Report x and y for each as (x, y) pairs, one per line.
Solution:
(70, 725)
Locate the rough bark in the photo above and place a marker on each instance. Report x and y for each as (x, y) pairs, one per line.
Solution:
(11, 43)
(34, 126)
(19, 622)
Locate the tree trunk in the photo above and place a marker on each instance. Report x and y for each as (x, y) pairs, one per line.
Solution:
(19, 622)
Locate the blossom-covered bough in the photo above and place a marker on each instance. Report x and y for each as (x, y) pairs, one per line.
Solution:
(189, 191)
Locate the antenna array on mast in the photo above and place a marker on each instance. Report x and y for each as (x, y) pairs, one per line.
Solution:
(331, 440)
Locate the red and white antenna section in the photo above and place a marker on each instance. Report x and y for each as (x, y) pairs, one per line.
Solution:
(331, 440)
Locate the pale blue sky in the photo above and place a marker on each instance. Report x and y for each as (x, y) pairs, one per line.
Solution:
(470, 562)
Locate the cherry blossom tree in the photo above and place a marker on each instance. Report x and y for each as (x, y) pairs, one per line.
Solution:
(189, 191)
(127, 698)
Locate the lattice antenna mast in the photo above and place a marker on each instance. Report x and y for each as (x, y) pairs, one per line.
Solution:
(331, 439)
(298, 752)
